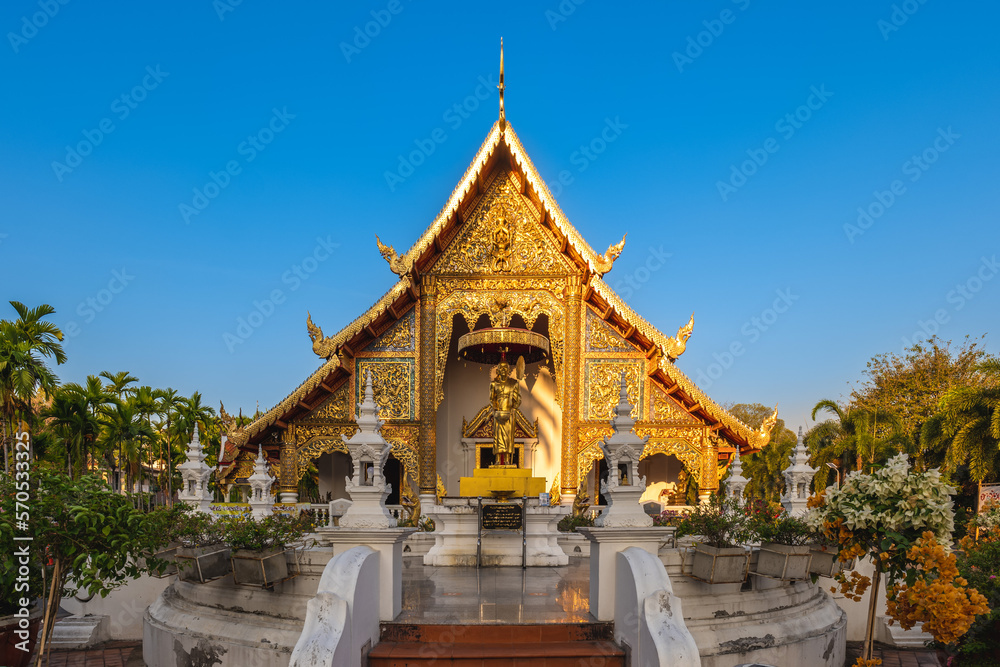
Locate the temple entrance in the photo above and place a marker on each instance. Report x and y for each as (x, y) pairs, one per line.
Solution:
(666, 480)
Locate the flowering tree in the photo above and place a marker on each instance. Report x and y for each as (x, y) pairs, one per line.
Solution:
(904, 521)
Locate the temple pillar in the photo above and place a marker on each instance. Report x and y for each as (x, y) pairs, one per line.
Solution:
(709, 478)
(289, 469)
(571, 387)
(427, 449)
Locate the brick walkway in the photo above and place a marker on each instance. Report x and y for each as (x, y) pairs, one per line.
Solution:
(892, 657)
(110, 654)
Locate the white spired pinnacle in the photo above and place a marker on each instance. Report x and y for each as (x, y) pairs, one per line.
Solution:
(261, 502)
(195, 473)
(736, 483)
(367, 486)
(623, 487)
(798, 477)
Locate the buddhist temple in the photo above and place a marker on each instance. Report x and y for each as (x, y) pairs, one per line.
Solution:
(500, 271)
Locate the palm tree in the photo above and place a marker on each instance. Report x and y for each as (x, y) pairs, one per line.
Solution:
(144, 402)
(70, 420)
(125, 429)
(871, 436)
(96, 401)
(967, 425)
(24, 345)
(118, 383)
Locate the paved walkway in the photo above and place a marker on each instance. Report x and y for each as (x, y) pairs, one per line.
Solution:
(895, 657)
(109, 654)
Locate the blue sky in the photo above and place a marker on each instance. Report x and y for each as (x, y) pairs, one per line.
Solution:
(749, 134)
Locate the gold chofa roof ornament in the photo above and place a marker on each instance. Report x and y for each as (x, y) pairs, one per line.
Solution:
(503, 118)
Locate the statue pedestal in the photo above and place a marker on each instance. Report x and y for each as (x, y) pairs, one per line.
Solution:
(516, 482)
(456, 529)
(623, 509)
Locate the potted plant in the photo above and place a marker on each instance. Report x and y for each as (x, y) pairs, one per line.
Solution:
(785, 552)
(166, 524)
(259, 545)
(202, 555)
(722, 527)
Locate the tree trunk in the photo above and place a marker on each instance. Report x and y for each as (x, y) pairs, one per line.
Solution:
(870, 627)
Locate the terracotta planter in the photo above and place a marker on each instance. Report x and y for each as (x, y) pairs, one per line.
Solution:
(260, 568)
(203, 564)
(825, 562)
(10, 654)
(783, 561)
(719, 565)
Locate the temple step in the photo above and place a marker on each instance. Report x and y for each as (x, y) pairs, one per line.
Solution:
(551, 645)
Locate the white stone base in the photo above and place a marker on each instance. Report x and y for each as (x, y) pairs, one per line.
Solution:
(894, 635)
(80, 631)
(418, 544)
(389, 543)
(793, 623)
(456, 529)
(605, 543)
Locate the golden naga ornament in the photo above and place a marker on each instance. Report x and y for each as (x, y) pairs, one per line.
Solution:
(607, 260)
(677, 344)
(763, 435)
(323, 347)
(396, 264)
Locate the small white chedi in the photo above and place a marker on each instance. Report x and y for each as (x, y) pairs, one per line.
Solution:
(798, 476)
(737, 483)
(261, 501)
(367, 486)
(624, 487)
(195, 473)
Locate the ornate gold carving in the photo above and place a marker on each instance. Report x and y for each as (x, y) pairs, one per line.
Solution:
(321, 439)
(428, 383)
(676, 345)
(392, 385)
(400, 337)
(396, 264)
(762, 436)
(679, 448)
(322, 346)
(502, 236)
(439, 490)
(555, 493)
(471, 305)
(242, 467)
(481, 425)
(573, 330)
(602, 338)
(605, 261)
(336, 408)
(603, 378)
(665, 408)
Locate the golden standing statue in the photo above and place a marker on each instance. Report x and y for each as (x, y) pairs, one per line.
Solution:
(505, 398)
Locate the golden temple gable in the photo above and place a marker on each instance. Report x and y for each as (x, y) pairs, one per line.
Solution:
(500, 253)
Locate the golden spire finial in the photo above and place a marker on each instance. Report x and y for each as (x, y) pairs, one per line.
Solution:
(503, 119)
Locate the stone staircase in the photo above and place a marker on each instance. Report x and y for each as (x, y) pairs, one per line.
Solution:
(545, 645)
